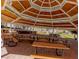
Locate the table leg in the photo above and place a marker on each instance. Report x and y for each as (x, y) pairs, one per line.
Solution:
(49, 40)
(59, 52)
(53, 40)
(36, 50)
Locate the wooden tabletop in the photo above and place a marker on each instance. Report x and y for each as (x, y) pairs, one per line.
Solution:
(49, 45)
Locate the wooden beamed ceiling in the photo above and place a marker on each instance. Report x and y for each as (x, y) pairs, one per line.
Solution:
(6, 19)
(2, 3)
(43, 14)
(64, 25)
(21, 6)
(68, 10)
(9, 14)
(74, 1)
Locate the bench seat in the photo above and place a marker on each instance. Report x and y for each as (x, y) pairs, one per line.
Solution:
(41, 56)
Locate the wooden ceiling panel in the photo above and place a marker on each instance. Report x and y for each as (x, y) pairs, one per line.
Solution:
(73, 11)
(31, 14)
(33, 0)
(64, 26)
(46, 0)
(46, 5)
(60, 1)
(75, 22)
(42, 16)
(51, 0)
(34, 10)
(54, 3)
(8, 13)
(6, 18)
(54, 24)
(2, 3)
(43, 24)
(25, 21)
(67, 7)
(42, 0)
(60, 16)
(38, 2)
(60, 24)
(24, 2)
(56, 12)
(17, 6)
(45, 13)
(73, 0)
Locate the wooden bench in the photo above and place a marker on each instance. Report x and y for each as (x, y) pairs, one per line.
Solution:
(9, 37)
(46, 56)
(49, 45)
(58, 47)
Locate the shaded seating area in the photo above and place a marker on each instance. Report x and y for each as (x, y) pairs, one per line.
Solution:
(41, 42)
(39, 29)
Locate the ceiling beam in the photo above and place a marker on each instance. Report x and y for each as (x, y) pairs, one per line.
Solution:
(68, 16)
(3, 7)
(21, 5)
(72, 8)
(25, 10)
(39, 12)
(72, 2)
(15, 20)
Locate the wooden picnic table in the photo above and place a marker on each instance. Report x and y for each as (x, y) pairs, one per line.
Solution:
(50, 45)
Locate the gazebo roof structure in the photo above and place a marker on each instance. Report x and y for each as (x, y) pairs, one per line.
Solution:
(44, 13)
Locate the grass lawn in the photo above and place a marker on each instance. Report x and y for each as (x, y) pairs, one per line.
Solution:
(64, 35)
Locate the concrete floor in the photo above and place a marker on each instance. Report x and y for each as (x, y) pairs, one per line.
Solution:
(24, 49)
